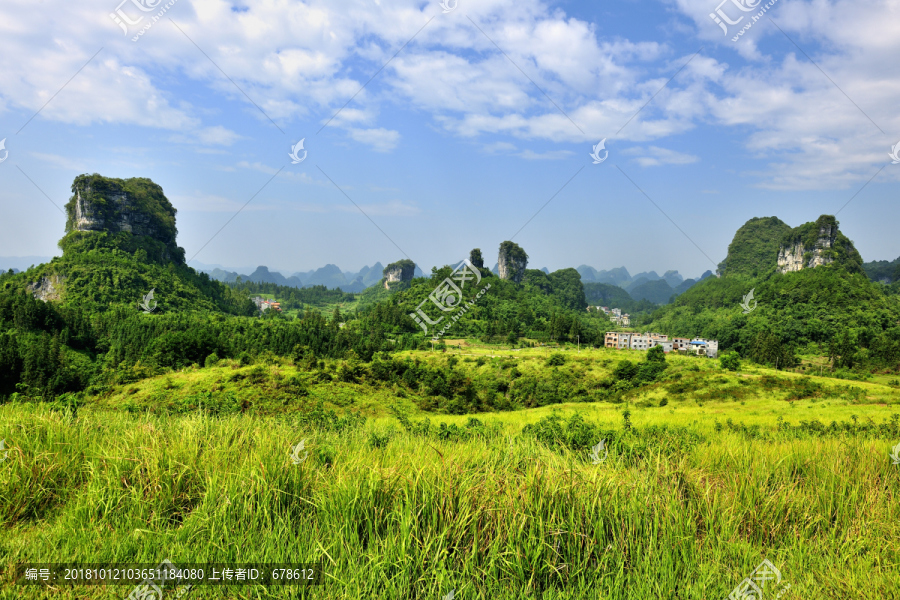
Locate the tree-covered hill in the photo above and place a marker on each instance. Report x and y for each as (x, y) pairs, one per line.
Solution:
(545, 307)
(818, 305)
(883, 270)
(657, 292)
(754, 248)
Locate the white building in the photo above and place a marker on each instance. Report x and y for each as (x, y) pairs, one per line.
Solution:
(704, 347)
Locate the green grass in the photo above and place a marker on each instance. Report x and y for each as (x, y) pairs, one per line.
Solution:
(400, 503)
(684, 513)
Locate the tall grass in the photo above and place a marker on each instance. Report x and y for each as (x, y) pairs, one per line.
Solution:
(492, 513)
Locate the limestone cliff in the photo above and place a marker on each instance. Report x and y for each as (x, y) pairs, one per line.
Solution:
(400, 271)
(136, 207)
(512, 262)
(817, 244)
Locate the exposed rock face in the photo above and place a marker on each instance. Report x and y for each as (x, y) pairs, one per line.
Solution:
(400, 271)
(816, 246)
(121, 213)
(48, 288)
(512, 262)
(135, 206)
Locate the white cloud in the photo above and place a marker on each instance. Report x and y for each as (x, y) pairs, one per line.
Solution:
(306, 59)
(209, 136)
(66, 162)
(380, 139)
(654, 156)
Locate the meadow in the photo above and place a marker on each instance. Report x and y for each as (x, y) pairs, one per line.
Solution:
(700, 478)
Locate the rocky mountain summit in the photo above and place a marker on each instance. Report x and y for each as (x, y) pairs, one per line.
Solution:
(512, 262)
(817, 244)
(133, 213)
(766, 244)
(401, 271)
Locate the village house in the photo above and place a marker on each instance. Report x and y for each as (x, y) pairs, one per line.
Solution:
(263, 304)
(680, 343)
(704, 347)
(645, 341)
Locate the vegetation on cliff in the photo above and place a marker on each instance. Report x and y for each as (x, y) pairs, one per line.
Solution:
(842, 252)
(754, 248)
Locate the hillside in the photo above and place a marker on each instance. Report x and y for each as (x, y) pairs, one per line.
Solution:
(658, 291)
(883, 271)
(816, 304)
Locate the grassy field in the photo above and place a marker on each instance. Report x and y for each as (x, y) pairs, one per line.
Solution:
(683, 501)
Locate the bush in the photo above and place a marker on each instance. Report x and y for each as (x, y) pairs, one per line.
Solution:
(625, 370)
(211, 360)
(575, 433)
(730, 361)
(556, 359)
(379, 439)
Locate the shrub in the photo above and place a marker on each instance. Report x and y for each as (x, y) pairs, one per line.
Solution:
(553, 431)
(211, 360)
(730, 361)
(556, 359)
(379, 439)
(625, 370)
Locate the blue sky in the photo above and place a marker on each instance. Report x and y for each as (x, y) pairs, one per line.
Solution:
(455, 144)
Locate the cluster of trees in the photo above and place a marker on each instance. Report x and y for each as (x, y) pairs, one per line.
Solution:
(294, 298)
(46, 349)
(544, 307)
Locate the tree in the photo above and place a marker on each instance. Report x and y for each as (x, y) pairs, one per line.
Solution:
(476, 259)
(656, 354)
(842, 351)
